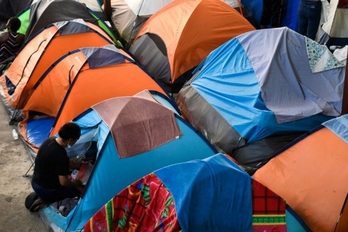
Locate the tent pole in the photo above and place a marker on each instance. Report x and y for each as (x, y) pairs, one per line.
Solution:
(31, 166)
(345, 92)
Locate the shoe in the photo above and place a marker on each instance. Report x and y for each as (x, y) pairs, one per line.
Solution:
(37, 205)
(29, 200)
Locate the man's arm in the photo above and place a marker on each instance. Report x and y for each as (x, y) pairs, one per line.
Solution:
(66, 182)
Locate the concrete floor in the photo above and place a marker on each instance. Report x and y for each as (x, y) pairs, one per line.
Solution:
(14, 186)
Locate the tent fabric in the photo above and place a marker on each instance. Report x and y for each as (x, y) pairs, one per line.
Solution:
(110, 81)
(145, 204)
(24, 18)
(196, 206)
(306, 177)
(45, 12)
(293, 222)
(64, 91)
(339, 126)
(42, 51)
(187, 43)
(342, 222)
(139, 120)
(320, 58)
(272, 80)
(224, 137)
(38, 130)
(130, 207)
(222, 203)
(128, 16)
(94, 5)
(268, 209)
(318, 99)
(254, 155)
(110, 174)
(56, 82)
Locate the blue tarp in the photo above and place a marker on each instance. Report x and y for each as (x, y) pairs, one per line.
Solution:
(39, 129)
(213, 194)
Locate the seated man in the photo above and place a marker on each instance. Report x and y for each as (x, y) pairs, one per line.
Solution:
(10, 40)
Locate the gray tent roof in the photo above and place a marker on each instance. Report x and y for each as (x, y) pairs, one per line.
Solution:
(46, 12)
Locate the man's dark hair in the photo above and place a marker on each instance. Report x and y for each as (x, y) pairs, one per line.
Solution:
(15, 24)
(70, 130)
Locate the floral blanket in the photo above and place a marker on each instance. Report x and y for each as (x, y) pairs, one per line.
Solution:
(145, 205)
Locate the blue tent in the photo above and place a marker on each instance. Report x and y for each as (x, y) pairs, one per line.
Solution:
(135, 136)
(252, 91)
(212, 194)
(217, 198)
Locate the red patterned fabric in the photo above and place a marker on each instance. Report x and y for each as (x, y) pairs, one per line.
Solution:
(145, 205)
(268, 210)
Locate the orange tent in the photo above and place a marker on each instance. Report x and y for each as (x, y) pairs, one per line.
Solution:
(42, 51)
(178, 37)
(79, 80)
(311, 176)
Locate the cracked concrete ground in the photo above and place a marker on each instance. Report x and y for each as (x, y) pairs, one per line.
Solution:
(14, 163)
